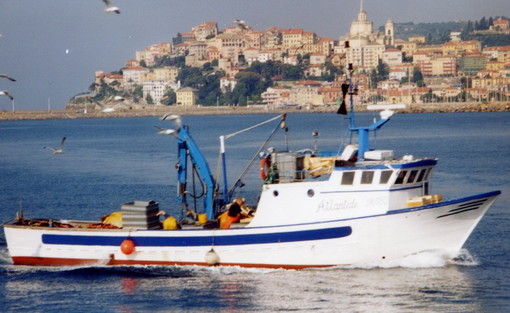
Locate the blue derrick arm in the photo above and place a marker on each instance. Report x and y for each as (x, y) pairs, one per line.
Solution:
(188, 147)
(363, 136)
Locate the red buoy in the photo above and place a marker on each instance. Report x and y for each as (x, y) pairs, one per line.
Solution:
(127, 246)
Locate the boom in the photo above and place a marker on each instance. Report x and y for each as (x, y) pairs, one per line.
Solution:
(188, 147)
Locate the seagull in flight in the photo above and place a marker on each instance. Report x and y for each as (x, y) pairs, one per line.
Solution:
(58, 150)
(169, 116)
(241, 24)
(110, 7)
(165, 131)
(7, 94)
(176, 119)
(8, 77)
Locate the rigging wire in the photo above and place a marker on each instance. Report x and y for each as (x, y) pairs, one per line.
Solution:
(238, 180)
(254, 126)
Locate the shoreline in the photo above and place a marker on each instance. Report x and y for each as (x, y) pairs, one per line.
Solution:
(159, 111)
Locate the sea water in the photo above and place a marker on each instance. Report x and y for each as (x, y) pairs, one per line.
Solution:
(107, 162)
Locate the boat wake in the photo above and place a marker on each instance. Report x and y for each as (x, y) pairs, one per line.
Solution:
(4, 256)
(427, 259)
(133, 271)
(421, 260)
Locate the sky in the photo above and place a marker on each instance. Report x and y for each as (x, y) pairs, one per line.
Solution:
(54, 47)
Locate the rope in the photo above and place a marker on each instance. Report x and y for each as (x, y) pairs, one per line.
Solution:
(231, 191)
(252, 127)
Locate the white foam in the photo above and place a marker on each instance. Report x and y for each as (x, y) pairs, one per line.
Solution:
(427, 259)
(4, 257)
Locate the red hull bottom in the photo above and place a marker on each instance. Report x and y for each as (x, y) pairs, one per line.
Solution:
(36, 261)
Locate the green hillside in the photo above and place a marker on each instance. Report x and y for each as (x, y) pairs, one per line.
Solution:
(438, 33)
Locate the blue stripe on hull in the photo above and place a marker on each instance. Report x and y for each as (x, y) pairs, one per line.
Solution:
(192, 241)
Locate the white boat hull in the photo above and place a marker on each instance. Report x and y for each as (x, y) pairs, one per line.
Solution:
(443, 227)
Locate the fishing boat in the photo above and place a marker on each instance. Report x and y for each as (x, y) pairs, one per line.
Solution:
(350, 207)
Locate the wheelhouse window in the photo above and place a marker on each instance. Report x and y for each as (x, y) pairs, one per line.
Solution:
(400, 178)
(367, 177)
(412, 176)
(385, 177)
(422, 175)
(427, 174)
(347, 178)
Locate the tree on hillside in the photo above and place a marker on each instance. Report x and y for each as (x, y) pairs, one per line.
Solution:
(418, 77)
(380, 73)
(270, 69)
(483, 25)
(331, 72)
(104, 90)
(191, 77)
(169, 98)
(210, 92)
(149, 99)
(430, 97)
(93, 87)
(490, 40)
(249, 85)
(467, 30)
(165, 60)
(265, 69)
(490, 22)
(293, 72)
(138, 91)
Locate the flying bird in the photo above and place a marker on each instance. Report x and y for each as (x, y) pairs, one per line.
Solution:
(241, 24)
(169, 116)
(176, 119)
(165, 131)
(58, 150)
(110, 7)
(8, 77)
(7, 94)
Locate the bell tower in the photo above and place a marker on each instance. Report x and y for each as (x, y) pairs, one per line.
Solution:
(389, 33)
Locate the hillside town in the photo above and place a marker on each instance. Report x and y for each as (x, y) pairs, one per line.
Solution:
(239, 66)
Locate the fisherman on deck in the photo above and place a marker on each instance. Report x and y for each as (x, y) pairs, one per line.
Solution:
(234, 213)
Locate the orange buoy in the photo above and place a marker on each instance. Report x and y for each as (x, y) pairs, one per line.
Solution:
(127, 246)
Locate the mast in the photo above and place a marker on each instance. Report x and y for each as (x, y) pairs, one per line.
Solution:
(363, 132)
(226, 198)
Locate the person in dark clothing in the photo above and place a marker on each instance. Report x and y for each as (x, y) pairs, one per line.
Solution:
(232, 214)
